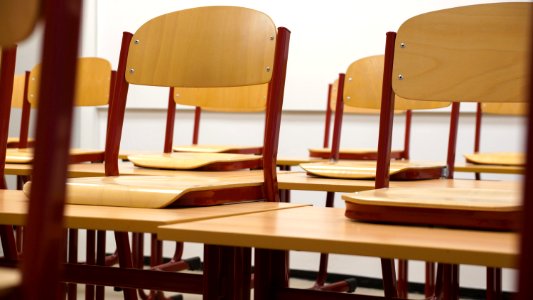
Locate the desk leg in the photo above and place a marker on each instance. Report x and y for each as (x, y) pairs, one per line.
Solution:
(91, 260)
(100, 260)
(494, 283)
(271, 273)
(285, 195)
(227, 273)
(125, 260)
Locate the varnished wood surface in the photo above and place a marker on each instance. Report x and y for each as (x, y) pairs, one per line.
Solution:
(473, 199)
(250, 98)
(93, 80)
(302, 181)
(497, 158)
(476, 168)
(326, 230)
(248, 37)
(18, 91)
(210, 148)
(13, 208)
(507, 109)
(478, 65)
(16, 24)
(361, 169)
(187, 161)
(9, 279)
(25, 156)
(363, 84)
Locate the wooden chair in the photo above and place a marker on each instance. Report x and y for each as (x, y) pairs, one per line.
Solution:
(354, 153)
(20, 101)
(361, 89)
(152, 57)
(229, 99)
(93, 88)
(429, 60)
(495, 158)
(41, 266)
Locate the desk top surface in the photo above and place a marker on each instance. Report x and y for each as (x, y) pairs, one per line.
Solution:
(327, 230)
(14, 204)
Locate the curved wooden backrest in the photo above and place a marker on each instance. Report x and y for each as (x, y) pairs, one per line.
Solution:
(476, 53)
(18, 91)
(211, 41)
(249, 98)
(511, 109)
(93, 79)
(363, 84)
(16, 24)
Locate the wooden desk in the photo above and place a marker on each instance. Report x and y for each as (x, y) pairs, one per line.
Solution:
(475, 168)
(326, 230)
(13, 207)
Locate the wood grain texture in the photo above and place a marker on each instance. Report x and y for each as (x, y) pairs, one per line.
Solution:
(478, 199)
(508, 109)
(13, 210)
(17, 24)
(188, 161)
(224, 99)
(362, 88)
(326, 230)
(204, 148)
(93, 78)
(25, 155)
(18, 91)
(476, 53)
(362, 169)
(497, 158)
(199, 47)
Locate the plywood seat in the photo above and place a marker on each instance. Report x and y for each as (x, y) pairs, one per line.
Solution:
(485, 208)
(402, 170)
(353, 154)
(496, 158)
(162, 191)
(219, 149)
(197, 161)
(25, 156)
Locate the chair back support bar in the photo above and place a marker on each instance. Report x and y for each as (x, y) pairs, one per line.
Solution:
(226, 99)
(213, 49)
(476, 53)
(92, 82)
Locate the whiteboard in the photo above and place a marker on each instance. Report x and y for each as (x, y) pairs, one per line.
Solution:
(326, 37)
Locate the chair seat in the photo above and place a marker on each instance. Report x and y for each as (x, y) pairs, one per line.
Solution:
(197, 161)
(25, 156)
(484, 208)
(352, 154)
(219, 149)
(186, 189)
(13, 142)
(9, 280)
(399, 170)
(497, 158)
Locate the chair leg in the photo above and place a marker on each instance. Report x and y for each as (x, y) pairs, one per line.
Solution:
(494, 284)
(389, 278)
(125, 259)
(100, 260)
(403, 278)
(429, 288)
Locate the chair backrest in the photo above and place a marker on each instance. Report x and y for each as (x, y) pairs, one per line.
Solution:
(18, 20)
(93, 82)
(225, 47)
(476, 53)
(17, 100)
(506, 109)
(20, 100)
(224, 99)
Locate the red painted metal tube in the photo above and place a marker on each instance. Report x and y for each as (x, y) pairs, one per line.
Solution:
(273, 114)
(25, 117)
(118, 107)
(171, 117)
(407, 137)
(327, 123)
(43, 238)
(452, 139)
(7, 73)
(196, 126)
(386, 116)
(337, 125)
(477, 136)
